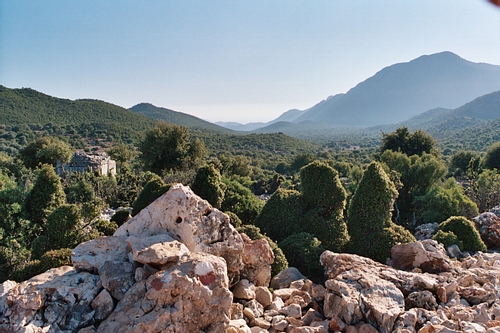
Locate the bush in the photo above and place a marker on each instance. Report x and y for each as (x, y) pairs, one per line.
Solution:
(208, 185)
(321, 188)
(105, 227)
(151, 191)
(369, 218)
(447, 239)
(465, 231)
(40, 245)
(234, 220)
(280, 262)
(444, 201)
(332, 232)
(241, 201)
(282, 215)
(64, 227)
(492, 158)
(120, 217)
(302, 251)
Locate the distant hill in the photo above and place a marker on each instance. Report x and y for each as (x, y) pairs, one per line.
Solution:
(404, 90)
(28, 106)
(240, 127)
(175, 117)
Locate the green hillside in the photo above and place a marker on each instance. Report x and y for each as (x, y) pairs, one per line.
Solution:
(28, 106)
(175, 117)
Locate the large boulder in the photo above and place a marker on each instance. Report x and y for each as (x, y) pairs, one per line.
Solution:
(193, 222)
(59, 299)
(428, 255)
(257, 258)
(192, 296)
(488, 225)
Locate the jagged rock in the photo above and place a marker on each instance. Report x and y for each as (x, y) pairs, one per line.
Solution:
(91, 255)
(257, 259)
(244, 290)
(488, 225)
(263, 296)
(421, 299)
(156, 250)
(117, 277)
(426, 231)
(428, 255)
(453, 251)
(192, 221)
(59, 298)
(284, 278)
(103, 305)
(188, 297)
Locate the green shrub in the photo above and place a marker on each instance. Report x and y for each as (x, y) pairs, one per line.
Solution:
(444, 201)
(234, 219)
(120, 217)
(39, 246)
(208, 185)
(64, 227)
(321, 188)
(105, 227)
(241, 201)
(282, 215)
(280, 262)
(151, 191)
(332, 232)
(369, 217)
(302, 251)
(465, 231)
(447, 238)
(55, 258)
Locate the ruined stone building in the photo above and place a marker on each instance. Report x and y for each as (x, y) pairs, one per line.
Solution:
(83, 162)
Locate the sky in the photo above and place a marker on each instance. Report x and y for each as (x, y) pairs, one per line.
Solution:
(234, 60)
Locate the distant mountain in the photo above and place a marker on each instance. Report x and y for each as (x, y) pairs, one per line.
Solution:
(404, 90)
(240, 127)
(287, 116)
(175, 117)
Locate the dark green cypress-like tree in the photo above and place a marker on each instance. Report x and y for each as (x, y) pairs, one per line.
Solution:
(369, 217)
(208, 185)
(46, 195)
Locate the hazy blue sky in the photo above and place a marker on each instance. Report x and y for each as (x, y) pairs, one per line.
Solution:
(232, 60)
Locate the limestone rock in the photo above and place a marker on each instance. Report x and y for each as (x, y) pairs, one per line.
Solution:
(284, 278)
(91, 255)
(244, 290)
(188, 297)
(263, 296)
(428, 255)
(103, 305)
(488, 225)
(257, 259)
(117, 277)
(426, 231)
(421, 299)
(60, 297)
(157, 249)
(192, 221)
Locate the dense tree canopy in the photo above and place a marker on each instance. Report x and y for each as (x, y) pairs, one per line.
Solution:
(416, 143)
(492, 157)
(46, 150)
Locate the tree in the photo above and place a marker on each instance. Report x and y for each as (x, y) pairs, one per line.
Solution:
(302, 251)
(282, 215)
(46, 195)
(418, 174)
(321, 188)
(369, 216)
(64, 227)
(165, 147)
(416, 143)
(241, 201)
(46, 150)
(462, 160)
(444, 201)
(492, 158)
(208, 185)
(151, 191)
(121, 152)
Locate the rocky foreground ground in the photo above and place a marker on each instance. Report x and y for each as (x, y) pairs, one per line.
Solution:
(179, 266)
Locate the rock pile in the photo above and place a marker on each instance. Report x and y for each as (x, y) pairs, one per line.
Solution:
(179, 266)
